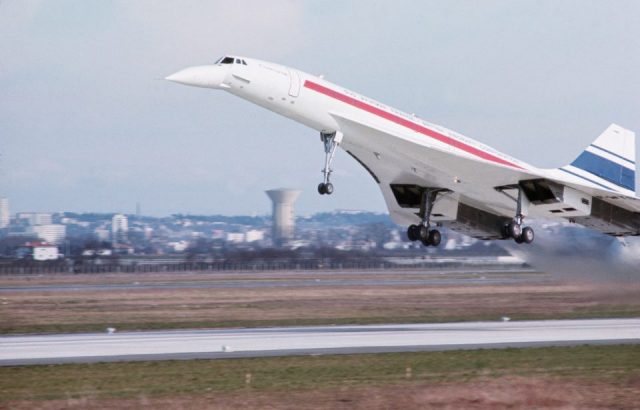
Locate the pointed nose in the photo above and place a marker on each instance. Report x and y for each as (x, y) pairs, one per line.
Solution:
(208, 76)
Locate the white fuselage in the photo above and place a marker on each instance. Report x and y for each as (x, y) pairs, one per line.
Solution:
(380, 137)
(313, 101)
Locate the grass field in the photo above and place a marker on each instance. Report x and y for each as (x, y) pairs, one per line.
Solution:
(562, 377)
(138, 309)
(566, 378)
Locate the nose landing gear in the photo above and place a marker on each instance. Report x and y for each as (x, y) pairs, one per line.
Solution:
(331, 140)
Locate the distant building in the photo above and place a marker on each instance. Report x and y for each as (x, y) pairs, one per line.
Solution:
(5, 217)
(254, 235)
(283, 215)
(119, 228)
(235, 237)
(97, 252)
(39, 251)
(36, 218)
(102, 234)
(217, 234)
(179, 246)
(123, 249)
(51, 233)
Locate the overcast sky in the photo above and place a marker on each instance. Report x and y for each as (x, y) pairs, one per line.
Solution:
(86, 124)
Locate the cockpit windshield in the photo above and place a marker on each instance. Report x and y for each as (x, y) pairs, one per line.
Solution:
(230, 60)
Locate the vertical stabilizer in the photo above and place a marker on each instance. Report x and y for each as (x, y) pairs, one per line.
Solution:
(609, 161)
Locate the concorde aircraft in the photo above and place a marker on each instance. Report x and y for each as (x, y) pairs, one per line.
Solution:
(431, 176)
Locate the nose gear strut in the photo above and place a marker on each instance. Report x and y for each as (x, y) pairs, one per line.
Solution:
(331, 140)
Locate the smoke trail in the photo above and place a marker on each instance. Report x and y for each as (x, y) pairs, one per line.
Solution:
(575, 253)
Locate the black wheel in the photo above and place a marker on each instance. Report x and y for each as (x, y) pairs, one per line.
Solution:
(425, 242)
(328, 188)
(435, 237)
(527, 235)
(519, 240)
(321, 188)
(515, 229)
(413, 232)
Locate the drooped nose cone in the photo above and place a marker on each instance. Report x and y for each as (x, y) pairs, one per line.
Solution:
(208, 76)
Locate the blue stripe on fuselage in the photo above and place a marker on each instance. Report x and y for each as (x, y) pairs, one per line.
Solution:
(607, 170)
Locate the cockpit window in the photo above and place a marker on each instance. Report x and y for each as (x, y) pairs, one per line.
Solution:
(230, 60)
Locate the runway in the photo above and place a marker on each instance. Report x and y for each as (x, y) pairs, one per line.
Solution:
(314, 279)
(233, 343)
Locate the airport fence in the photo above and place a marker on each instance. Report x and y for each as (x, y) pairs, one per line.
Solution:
(35, 268)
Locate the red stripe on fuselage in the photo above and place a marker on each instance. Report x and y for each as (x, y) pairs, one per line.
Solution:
(408, 124)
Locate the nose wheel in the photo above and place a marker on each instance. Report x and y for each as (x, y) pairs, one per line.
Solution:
(325, 189)
(330, 140)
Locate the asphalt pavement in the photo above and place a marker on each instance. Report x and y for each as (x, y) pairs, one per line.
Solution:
(316, 340)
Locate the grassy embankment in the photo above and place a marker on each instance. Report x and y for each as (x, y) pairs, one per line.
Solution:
(614, 370)
(196, 306)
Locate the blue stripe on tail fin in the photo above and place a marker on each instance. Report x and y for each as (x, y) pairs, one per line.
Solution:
(611, 158)
(607, 170)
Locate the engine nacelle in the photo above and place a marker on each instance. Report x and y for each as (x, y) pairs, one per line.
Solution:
(455, 215)
(610, 219)
(477, 223)
(557, 200)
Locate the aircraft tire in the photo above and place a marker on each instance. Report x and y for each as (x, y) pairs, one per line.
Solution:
(435, 237)
(527, 234)
(321, 188)
(413, 233)
(515, 230)
(328, 188)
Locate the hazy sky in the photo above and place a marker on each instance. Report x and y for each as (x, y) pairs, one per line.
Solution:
(86, 124)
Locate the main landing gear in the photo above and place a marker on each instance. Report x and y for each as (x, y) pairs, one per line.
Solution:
(331, 140)
(514, 229)
(423, 232)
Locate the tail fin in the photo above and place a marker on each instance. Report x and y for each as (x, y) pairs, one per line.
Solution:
(610, 159)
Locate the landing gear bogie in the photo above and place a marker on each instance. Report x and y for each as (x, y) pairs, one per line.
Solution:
(514, 228)
(423, 231)
(518, 233)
